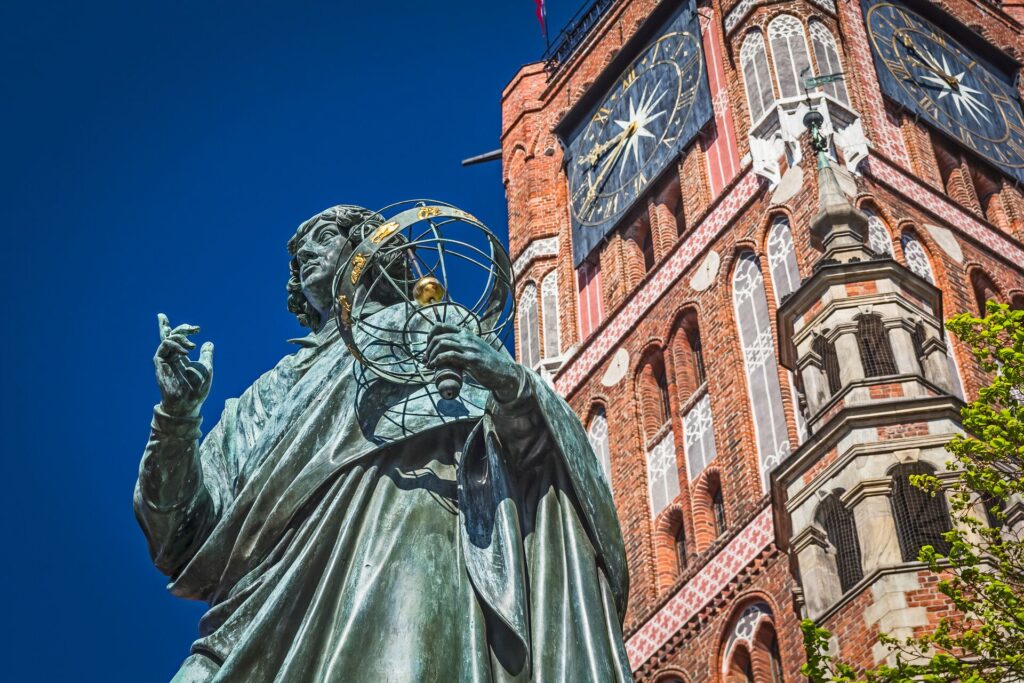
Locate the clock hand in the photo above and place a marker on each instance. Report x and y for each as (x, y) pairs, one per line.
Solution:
(603, 175)
(595, 154)
(912, 50)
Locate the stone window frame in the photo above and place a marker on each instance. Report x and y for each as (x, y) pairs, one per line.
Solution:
(527, 320)
(552, 337)
(837, 520)
(791, 55)
(598, 434)
(757, 343)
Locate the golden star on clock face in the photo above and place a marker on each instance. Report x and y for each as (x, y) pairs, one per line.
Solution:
(948, 85)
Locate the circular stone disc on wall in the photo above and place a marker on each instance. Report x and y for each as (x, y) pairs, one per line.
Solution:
(616, 368)
(947, 241)
(706, 272)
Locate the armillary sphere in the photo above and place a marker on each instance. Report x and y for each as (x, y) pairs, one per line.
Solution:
(417, 264)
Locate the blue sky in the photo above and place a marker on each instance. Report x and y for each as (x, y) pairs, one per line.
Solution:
(156, 158)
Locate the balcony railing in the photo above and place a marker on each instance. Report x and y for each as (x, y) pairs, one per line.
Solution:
(575, 31)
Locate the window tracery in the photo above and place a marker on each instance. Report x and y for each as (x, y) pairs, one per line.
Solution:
(789, 52)
(549, 304)
(529, 333)
(597, 433)
(756, 76)
(827, 56)
(754, 322)
(782, 259)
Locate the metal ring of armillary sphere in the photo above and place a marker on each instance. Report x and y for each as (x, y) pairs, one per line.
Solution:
(417, 264)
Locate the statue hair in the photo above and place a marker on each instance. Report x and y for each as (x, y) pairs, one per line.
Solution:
(344, 217)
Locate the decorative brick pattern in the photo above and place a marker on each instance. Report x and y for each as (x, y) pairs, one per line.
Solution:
(577, 368)
(701, 589)
(943, 207)
(546, 246)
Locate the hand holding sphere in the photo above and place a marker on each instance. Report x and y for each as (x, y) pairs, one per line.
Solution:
(398, 313)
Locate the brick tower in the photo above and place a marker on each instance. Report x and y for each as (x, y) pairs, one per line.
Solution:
(734, 264)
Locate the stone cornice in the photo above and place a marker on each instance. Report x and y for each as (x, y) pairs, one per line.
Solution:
(867, 415)
(811, 291)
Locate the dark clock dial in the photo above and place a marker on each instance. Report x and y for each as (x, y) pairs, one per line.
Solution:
(635, 129)
(948, 85)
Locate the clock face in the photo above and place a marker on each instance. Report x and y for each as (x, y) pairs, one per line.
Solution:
(635, 131)
(947, 85)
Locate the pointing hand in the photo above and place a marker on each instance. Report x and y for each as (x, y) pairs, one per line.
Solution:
(184, 383)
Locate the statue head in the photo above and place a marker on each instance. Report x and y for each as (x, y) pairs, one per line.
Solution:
(315, 248)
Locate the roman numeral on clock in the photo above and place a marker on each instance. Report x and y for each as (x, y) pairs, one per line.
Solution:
(639, 181)
(899, 70)
(629, 79)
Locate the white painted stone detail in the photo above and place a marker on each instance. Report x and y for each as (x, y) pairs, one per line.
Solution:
(698, 437)
(662, 473)
(706, 272)
(791, 183)
(947, 241)
(738, 12)
(546, 246)
(827, 5)
(597, 433)
(616, 368)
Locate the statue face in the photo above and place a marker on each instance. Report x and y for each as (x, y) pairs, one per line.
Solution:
(317, 259)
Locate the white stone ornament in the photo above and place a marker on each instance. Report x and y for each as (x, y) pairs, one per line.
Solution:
(617, 368)
(947, 241)
(706, 272)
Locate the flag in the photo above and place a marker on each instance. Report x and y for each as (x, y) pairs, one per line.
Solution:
(542, 17)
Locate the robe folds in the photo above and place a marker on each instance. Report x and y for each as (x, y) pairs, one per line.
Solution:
(343, 528)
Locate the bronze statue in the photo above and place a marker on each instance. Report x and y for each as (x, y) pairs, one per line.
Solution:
(466, 540)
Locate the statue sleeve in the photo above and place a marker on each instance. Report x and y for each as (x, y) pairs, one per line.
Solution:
(538, 429)
(184, 484)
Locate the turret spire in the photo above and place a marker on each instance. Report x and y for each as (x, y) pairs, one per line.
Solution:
(839, 229)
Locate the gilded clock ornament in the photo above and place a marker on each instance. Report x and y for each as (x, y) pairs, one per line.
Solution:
(647, 112)
(927, 70)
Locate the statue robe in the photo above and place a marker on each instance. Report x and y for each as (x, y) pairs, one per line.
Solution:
(348, 529)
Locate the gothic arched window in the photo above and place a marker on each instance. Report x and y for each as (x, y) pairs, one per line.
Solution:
(839, 525)
(879, 240)
(827, 56)
(549, 308)
(662, 473)
(597, 433)
(680, 543)
(718, 507)
(826, 351)
(782, 259)
(915, 256)
(756, 76)
(754, 322)
(875, 349)
(751, 651)
(921, 518)
(789, 52)
(529, 334)
(984, 290)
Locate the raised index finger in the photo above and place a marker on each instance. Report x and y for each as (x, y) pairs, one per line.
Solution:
(185, 329)
(164, 324)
